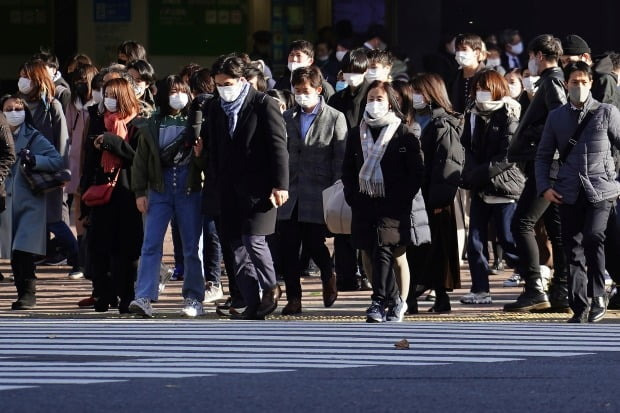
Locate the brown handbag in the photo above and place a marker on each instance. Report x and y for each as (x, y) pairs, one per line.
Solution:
(97, 195)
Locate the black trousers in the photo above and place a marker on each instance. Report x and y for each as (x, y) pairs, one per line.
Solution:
(312, 236)
(384, 288)
(583, 230)
(114, 276)
(612, 244)
(345, 260)
(530, 209)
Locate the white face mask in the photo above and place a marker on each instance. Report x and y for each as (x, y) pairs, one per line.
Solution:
(376, 74)
(178, 101)
(110, 104)
(340, 55)
(532, 66)
(529, 83)
(353, 79)
(292, 66)
(24, 85)
(377, 109)
(230, 93)
(97, 96)
(15, 117)
(483, 96)
(307, 101)
(578, 94)
(418, 101)
(517, 49)
(467, 58)
(139, 90)
(494, 62)
(515, 89)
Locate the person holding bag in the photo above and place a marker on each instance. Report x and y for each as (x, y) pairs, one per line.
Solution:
(382, 172)
(115, 223)
(166, 180)
(24, 233)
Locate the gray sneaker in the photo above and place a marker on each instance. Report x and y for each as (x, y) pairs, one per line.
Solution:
(213, 292)
(192, 308)
(397, 312)
(164, 276)
(141, 306)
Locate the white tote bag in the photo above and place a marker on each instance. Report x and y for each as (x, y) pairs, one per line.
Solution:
(336, 211)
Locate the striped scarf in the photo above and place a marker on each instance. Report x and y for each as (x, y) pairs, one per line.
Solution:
(370, 176)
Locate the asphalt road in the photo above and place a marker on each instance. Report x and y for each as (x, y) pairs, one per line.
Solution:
(287, 366)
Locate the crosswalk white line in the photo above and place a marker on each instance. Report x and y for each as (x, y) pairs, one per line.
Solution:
(41, 352)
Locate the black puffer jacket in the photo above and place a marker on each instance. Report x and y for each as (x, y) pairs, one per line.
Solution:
(550, 95)
(444, 158)
(487, 170)
(605, 81)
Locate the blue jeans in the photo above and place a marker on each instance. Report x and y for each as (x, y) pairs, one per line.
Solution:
(211, 250)
(66, 240)
(479, 217)
(174, 201)
(177, 244)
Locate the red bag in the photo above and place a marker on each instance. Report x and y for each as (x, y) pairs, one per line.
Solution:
(97, 195)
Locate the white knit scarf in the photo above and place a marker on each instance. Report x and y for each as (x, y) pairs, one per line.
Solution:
(370, 176)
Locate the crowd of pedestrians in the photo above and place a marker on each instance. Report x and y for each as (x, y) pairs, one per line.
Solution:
(490, 152)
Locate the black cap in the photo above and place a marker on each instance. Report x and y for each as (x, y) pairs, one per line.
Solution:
(574, 45)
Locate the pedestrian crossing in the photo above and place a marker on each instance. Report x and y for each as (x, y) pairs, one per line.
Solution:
(36, 353)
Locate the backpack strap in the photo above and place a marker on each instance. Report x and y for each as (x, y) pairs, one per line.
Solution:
(578, 132)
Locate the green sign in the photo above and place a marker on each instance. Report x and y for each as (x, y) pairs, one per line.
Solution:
(197, 27)
(29, 23)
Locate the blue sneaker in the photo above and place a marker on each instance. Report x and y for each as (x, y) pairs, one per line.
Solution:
(177, 274)
(375, 313)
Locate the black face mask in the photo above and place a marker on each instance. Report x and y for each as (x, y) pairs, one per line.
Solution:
(121, 62)
(81, 90)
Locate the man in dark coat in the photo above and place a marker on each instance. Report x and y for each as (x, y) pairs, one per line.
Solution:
(248, 166)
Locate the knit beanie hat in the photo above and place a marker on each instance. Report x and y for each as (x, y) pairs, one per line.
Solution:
(574, 45)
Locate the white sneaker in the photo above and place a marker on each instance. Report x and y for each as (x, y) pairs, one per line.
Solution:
(213, 292)
(477, 298)
(76, 275)
(193, 308)
(545, 276)
(515, 280)
(141, 306)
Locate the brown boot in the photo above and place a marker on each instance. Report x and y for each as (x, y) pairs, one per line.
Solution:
(292, 307)
(330, 292)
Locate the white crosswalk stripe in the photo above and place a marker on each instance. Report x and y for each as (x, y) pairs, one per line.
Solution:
(40, 352)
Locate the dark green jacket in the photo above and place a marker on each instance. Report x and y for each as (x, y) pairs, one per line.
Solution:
(147, 172)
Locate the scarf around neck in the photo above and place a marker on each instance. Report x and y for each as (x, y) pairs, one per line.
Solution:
(371, 176)
(233, 108)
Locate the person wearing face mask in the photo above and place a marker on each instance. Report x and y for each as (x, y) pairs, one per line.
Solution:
(301, 54)
(326, 61)
(24, 233)
(583, 131)
(379, 65)
(166, 180)
(351, 102)
(77, 124)
(544, 52)
(512, 56)
(37, 89)
(438, 262)
(495, 183)
(469, 56)
(144, 78)
(248, 166)
(129, 51)
(62, 90)
(382, 172)
(493, 60)
(605, 81)
(115, 228)
(316, 141)
(516, 84)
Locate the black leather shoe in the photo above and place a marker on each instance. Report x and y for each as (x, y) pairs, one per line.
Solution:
(442, 304)
(412, 305)
(579, 318)
(598, 309)
(269, 302)
(250, 313)
(365, 284)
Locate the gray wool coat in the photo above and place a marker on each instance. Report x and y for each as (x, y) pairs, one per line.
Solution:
(25, 212)
(51, 122)
(314, 163)
(590, 164)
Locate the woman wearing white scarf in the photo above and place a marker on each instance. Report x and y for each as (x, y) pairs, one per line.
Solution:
(382, 172)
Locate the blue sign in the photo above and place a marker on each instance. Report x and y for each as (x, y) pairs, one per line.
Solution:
(111, 11)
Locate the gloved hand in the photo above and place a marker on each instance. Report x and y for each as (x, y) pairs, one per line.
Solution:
(28, 158)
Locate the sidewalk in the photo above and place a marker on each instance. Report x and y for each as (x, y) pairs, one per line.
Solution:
(57, 297)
